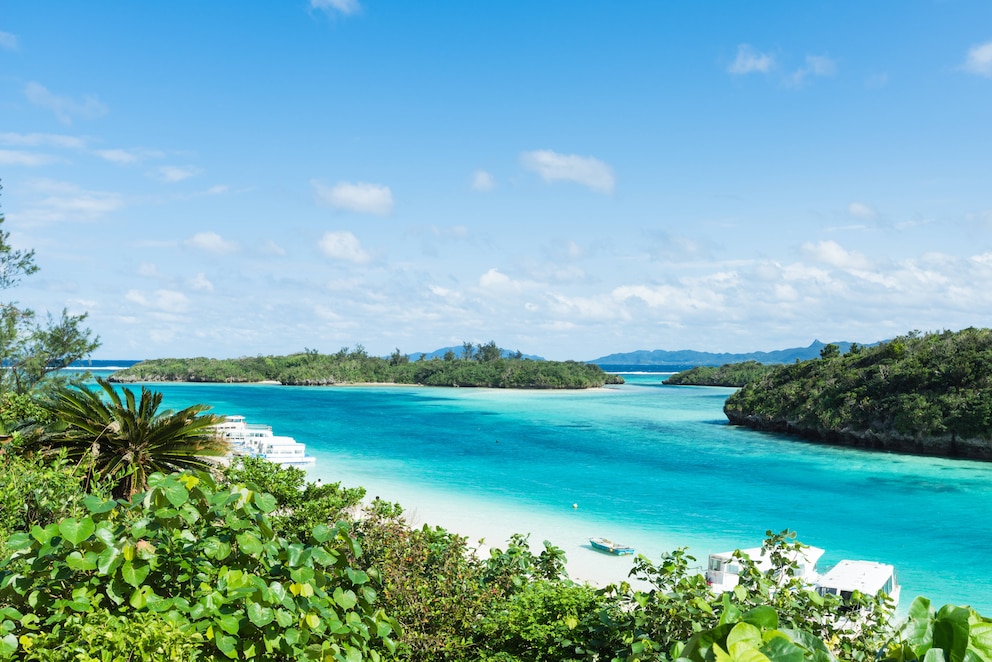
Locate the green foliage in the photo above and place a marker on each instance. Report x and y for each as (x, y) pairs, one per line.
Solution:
(730, 374)
(36, 493)
(208, 561)
(31, 351)
(102, 636)
(123, 439)
(300, 505)
(921, 393)
(541, 622)
(430, 583)
(952, 634)
(484, 367)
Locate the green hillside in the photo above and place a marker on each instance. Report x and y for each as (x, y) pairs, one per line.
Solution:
(920, 393)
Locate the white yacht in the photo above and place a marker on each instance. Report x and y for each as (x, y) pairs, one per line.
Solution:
(868, 577)
(724, 569)
(258, 441)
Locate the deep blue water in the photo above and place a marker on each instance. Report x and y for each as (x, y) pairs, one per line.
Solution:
(647, 460)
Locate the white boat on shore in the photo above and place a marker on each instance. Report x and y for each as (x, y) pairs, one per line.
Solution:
(867, 577)
(255, 440)
(723, 571)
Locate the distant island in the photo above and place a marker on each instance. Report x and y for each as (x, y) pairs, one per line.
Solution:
(731, 374)
(686, 358)
(928, 394)
(477, 366)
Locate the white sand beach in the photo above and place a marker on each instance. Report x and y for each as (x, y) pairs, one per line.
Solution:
(487, 526)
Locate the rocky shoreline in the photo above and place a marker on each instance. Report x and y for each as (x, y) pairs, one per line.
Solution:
(948, 446)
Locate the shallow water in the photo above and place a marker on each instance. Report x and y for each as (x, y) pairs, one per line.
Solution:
(650, 465)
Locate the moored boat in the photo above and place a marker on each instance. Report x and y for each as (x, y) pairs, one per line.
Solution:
(867, 577)
(255, 440)
(724, 568)
(610, 547)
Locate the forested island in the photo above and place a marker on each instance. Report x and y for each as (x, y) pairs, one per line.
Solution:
(922, 393)
(730, 374)
(482, 365)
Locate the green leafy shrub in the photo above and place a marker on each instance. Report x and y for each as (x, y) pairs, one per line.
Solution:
(102, 636)
(206, 560)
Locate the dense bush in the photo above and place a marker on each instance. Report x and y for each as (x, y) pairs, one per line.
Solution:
(730, 374)
(349, 367)
(926, 393)
(208, 561)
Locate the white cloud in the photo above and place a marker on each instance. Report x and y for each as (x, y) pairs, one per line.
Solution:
(750, 61)
(61, 201)
(816, 65)
(217, 189)
(128, 156)
(211, 242)
(11, 157)
(360, 197)
(495, 280)
(979, 60)
(832, 254)
(346, 7)
(200, 282)
(148, 270)
(483, 181)
(42, 140)
(64, 107)
(861, 210)
(585, 170)
(168, 301)
(174, 174)
(343, 246)
(8, 41)
(272, 248)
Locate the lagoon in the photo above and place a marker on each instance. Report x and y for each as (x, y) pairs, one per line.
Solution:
(649, 465)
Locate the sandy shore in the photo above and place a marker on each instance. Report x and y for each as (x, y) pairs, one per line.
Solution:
(487, 526)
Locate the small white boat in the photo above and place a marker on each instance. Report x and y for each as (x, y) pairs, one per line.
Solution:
(868, 577)
(610, 547)
(258, 441)
(723, 572)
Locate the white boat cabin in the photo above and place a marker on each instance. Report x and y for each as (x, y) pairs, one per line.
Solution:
(724, 569)
(868, 577)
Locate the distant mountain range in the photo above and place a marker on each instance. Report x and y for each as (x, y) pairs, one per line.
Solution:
(687, 358)
(674, 360)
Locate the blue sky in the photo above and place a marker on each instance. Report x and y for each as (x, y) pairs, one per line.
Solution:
(570, 179)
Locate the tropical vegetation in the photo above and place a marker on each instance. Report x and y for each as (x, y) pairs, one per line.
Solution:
(483, 365)
(729, 374)
(928, 393)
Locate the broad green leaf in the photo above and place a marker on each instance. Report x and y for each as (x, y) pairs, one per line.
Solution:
(98, 506)
(357, 576)
(284, 618)
(229, 623)
(77, 561)
(134, 575)
(322, 533)
(950, 632)
(934, 655)
(76, 531)
(43, 535)
(265, 502)
(346, 599)
(19, 542)
(762, 617)
(227, 644)
(744, 632)
(259, 615)
(249, 543)
(743, 651)
(780, 649)
(8, 645)
(981, 640)
(175, 492)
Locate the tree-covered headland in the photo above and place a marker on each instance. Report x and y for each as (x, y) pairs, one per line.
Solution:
(482, 365)
(730, 374)
(925, 393)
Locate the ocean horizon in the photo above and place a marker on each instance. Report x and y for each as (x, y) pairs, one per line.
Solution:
(654, 466)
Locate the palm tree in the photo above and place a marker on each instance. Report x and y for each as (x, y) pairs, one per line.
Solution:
(125, 440)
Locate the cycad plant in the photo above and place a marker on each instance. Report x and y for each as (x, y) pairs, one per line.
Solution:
(115, 436)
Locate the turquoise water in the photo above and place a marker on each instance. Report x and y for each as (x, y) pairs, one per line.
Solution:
(649, 464)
